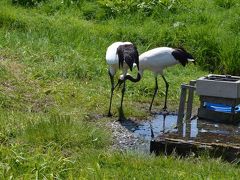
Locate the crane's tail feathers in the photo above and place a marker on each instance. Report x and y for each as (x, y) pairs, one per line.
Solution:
(128, 53)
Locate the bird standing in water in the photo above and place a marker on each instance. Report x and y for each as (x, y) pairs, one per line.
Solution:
(120, 55)
(156, 60)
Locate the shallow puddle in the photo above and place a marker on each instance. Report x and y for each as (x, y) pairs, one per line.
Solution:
(155, 127)
(194, 130)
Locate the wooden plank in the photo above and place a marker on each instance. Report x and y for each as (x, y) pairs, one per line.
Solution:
(181, 147)
(190, 100)
(182, 103)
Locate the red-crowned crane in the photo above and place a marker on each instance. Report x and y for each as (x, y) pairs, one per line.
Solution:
(120, 55)
(156, 60)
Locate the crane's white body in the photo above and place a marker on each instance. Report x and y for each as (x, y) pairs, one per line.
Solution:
(120, 55)
(156, 60)
(112, 58)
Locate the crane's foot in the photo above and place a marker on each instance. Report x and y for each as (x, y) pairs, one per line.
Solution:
(165, 111)
(152, 112)
(150, 109)
(164, 108)
(109, 114)
(121, 115)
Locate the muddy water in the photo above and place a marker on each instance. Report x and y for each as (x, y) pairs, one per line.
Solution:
(155, 127)
(194, 130)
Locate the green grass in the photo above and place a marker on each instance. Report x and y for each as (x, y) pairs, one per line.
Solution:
(54, 83)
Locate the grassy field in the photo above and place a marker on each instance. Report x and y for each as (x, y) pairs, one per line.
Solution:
(54, 83)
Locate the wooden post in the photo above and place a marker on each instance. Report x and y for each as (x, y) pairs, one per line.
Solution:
(190, 100)
(182, 103)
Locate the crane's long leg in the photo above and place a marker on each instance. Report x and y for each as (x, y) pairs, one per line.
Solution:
(121, 114)
(112, 89)
(166, 93)
(151, 129)
(164, 123)
(155, 92)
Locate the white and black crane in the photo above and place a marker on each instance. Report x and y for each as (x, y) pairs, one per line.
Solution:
(156, 60)
(120, 55)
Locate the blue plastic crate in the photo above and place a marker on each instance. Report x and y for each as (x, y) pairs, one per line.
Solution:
(221, 107)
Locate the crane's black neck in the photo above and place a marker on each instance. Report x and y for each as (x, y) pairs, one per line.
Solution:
(129, 77)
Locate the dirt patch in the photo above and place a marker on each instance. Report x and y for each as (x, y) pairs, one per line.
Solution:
(124, 139)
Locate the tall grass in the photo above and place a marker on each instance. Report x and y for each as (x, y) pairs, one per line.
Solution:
(206, 28)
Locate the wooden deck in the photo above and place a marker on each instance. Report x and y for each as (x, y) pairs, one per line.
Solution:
(181, 147)
(217, 141)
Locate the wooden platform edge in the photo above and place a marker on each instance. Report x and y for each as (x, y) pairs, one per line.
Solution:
(181, 147)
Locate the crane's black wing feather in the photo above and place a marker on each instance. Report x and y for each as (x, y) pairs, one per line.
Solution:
(128, 53)
(120, 53)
